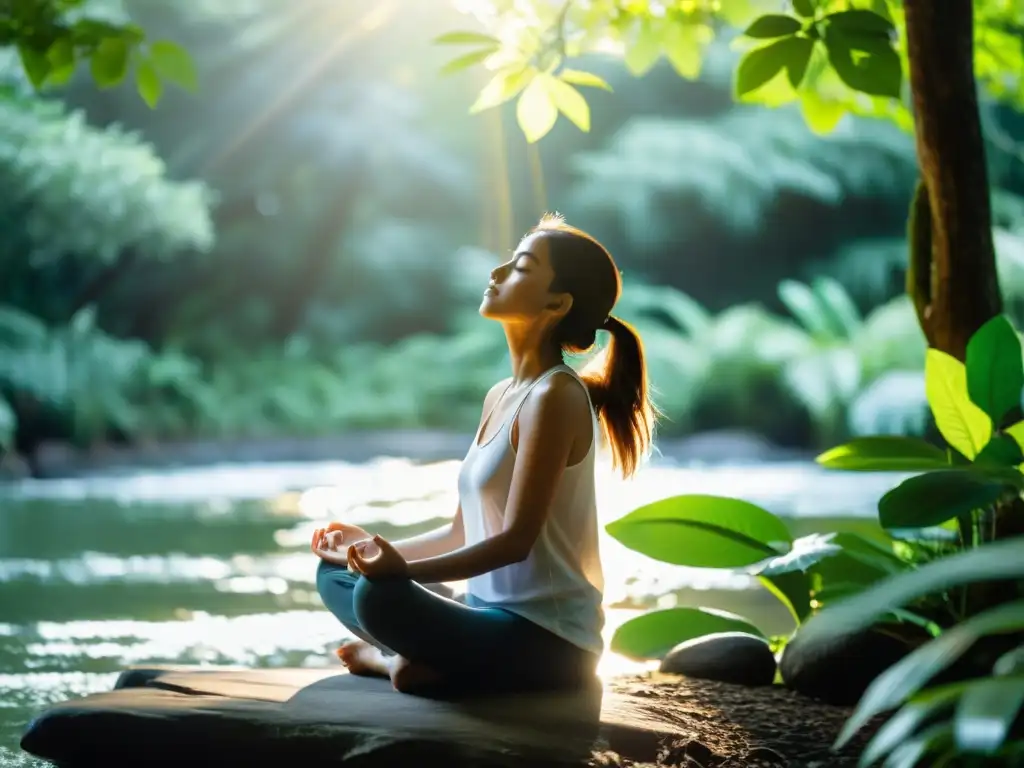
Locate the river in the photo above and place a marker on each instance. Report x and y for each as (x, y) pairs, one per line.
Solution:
(211, 565)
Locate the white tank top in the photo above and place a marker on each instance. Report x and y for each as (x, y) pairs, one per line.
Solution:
(560, 585)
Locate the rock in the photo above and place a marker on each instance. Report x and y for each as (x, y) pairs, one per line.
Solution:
(728, 657)
(839, 672)
(318, 717)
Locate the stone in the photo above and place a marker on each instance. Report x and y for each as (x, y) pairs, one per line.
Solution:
(838, 672)
(325, 717)
(728, 657)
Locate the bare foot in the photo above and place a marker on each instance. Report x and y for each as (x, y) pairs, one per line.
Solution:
(366, 660)
(361, 658)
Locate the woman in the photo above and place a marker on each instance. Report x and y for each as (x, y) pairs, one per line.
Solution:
(525, 535)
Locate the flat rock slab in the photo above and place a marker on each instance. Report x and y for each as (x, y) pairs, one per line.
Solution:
(325, 717)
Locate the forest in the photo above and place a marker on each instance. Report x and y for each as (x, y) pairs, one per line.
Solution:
(297, 244)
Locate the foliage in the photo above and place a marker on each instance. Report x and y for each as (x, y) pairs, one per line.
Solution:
(832, 58)
(53, 37)
(938, 717)
(702, 531)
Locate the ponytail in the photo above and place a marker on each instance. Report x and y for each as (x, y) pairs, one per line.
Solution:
(617, 381)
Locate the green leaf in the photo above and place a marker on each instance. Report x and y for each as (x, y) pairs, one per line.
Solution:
(645, 50)
(933, 740)
(8, 425)
(773, 25)
(148, 83)
(683, 45)
(995, 372)
(804, 8)
(703, 532)
(174, 64)
(835, 301)
(505, 84)
(569, 102)
(583, 79)
(110, 62)
(1001, 451)
(805, 306)
(905, 678)
(865, 62)
(35, 63)
(996, 561)
(1010, 663)
(885, 453)
(61, 56)
(467, 38)
(762, 64)
(806, 551)
(536, 111)
(935, 497)
(822, 115)
(654, 634)
(793, 590)
(861, 22)
(1017, 433)
(985, 713)
(466, 60)
(905, 722)
(962, 423)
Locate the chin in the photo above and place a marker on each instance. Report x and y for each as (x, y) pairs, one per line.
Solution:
(487, 309)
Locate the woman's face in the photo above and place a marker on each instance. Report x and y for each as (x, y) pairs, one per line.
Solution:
(520, 288)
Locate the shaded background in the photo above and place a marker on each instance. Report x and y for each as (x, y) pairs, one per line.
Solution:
(273, 255)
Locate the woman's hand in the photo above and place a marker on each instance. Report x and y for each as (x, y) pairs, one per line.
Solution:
(386, 563)
(332, 543)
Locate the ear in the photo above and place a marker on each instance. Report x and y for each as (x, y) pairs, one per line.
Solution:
(560, 304)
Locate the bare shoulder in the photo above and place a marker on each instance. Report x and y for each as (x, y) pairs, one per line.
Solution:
(494, 393)
(559, 402)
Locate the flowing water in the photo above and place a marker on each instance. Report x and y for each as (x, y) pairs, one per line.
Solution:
(211, 565)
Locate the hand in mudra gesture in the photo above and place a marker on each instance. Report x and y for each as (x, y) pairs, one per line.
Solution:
(332, 543)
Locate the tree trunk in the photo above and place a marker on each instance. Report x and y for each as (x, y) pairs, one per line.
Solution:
(955, 286)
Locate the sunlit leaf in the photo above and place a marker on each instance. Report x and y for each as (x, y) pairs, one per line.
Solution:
(885, 453)
(703, 532)
(569, 102)
(536, 111)
(684, 47)
(61, 56)
(1016, 431)
(583, 79)
(652, 635)
(995, 372)
(467, 38)
(822, 115)
(962, 423)
(466, 60)
(644, 50)
(505, 85)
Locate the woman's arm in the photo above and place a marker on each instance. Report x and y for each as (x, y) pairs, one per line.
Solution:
(548, 427)
(439, 541)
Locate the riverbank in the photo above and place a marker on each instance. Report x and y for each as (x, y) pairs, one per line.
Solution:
(62, 460)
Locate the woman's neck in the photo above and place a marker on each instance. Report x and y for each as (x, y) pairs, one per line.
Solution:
(530, 352)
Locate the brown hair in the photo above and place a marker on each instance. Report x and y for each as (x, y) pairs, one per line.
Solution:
(617, 377)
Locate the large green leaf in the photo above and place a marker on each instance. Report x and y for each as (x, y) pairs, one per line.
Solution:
(999, 560)
(654, 634)
(905, 678)
(962, 423)
(174, 64)
(905, 722)
(986, 711)
(885, 453)
(935, 497)
(109, 63)
(703, 532)
(860, 49)
(1001, 451)
(995, 373)
(569, 102)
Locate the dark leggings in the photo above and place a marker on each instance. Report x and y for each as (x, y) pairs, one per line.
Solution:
(472, 648)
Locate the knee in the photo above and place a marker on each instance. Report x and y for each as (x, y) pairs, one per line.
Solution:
(374, 601)
(333, 579)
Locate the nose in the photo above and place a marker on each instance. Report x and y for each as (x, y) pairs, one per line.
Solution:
(498, 273)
